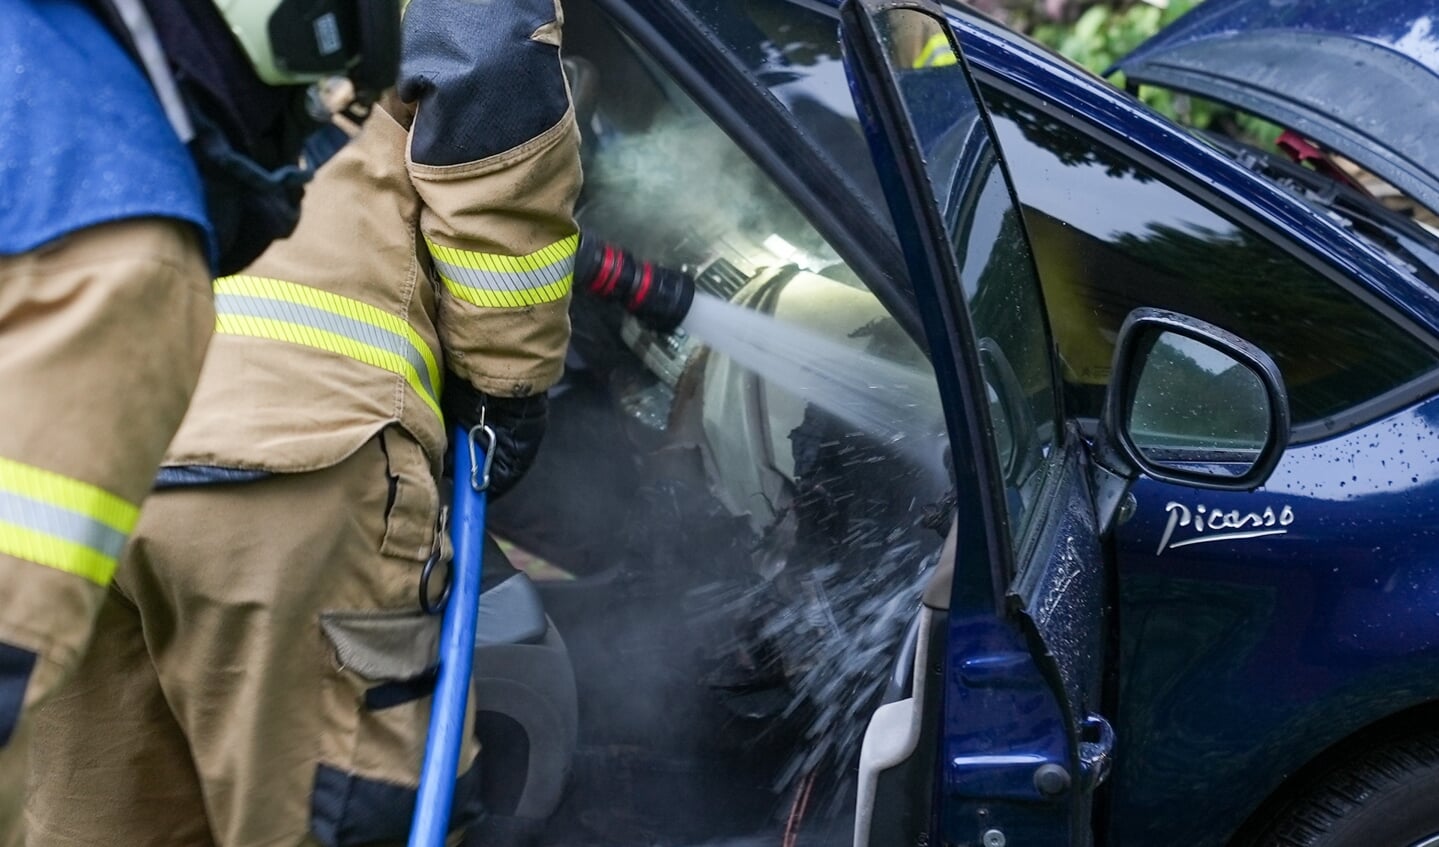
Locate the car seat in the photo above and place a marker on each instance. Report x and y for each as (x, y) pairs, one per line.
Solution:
(526, 707)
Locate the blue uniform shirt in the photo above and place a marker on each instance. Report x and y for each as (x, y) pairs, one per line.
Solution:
(83, 139)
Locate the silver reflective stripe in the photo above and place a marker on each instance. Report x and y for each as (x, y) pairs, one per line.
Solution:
(511, 281)
(60, 523)
(355, 330)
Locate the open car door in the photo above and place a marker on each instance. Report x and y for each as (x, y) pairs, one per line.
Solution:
(997, 738)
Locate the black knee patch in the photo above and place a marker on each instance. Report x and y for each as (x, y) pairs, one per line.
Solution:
(16, 665)
(483, 85)
(348, 810)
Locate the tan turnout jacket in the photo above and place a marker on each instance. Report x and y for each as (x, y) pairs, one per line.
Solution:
(397, 271)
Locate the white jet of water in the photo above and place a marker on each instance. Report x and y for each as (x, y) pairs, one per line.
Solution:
(895, 403)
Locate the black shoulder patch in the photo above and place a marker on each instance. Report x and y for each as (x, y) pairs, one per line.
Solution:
(483, 84)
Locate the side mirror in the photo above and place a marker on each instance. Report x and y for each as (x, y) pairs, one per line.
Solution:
(1192, 404)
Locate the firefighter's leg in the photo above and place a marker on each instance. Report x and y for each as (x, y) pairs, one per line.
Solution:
(109, 762)
(283, 620)
(101, 338)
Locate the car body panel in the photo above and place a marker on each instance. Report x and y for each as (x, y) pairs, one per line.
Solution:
(1243, 657)
(1404, 26)
(1157, 744)
(1314, 67)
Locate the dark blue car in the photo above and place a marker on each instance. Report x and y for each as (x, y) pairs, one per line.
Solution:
(1031, 469)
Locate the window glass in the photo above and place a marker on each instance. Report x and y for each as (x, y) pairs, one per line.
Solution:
(1109, 236)
(669, 185)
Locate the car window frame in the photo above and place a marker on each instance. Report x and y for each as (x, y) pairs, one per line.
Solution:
(1352, 417)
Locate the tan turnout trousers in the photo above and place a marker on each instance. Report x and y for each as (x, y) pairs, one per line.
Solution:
(265, 671)
(101, 338)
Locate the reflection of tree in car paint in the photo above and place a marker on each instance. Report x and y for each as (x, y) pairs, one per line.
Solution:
(1071, 148)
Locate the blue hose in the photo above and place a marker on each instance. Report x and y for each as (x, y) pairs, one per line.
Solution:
(436, 794)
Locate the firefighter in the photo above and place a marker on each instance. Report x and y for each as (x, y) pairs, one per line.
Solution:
(265, 658)
(120, 177)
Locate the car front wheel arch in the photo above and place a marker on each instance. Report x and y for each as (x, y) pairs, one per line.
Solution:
(1329, 801)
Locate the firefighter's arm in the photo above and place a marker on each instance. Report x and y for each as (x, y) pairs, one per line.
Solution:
(494, 157)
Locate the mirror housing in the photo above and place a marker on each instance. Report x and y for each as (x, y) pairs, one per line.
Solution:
(1229, 362)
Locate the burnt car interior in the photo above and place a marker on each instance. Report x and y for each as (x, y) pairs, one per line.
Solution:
(704, 587)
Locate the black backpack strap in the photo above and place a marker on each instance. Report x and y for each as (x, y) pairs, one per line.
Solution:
(245, 135)
(130, 22)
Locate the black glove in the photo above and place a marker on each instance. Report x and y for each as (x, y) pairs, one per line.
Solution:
(518, 422)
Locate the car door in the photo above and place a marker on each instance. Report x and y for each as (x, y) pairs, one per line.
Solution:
(1001, 739)
(998, 732)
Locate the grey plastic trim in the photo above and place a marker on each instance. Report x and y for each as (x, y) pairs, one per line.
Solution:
(891, 737)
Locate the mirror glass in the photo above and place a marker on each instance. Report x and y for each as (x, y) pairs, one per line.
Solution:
(1195, 408)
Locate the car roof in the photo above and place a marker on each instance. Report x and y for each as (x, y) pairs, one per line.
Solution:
(1360, 77)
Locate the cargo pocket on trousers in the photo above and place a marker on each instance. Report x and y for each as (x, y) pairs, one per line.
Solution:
(414, 507)
(387, 670)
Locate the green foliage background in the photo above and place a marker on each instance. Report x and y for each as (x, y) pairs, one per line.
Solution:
(1104, 32)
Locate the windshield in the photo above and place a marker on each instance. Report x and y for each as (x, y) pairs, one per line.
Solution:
(1348, 194)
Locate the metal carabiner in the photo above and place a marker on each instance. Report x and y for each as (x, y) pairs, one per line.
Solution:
(438, 605)
(480, 476)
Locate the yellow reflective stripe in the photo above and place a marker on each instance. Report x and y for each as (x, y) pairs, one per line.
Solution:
(57, 553)
(62, 523)
(330, 342)
(277, 289)
(496, 281)
(936, 52)
(499, 262)
(261, 307)
(69, 494)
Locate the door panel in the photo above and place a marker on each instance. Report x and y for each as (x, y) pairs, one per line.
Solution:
(1021, 746)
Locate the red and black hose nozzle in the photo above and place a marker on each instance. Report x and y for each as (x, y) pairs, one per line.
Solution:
(658, 296)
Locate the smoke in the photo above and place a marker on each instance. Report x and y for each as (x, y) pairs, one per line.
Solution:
(672, 752)
(712, 684)
(684, 181)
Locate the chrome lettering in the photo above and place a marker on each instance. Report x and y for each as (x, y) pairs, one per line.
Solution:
(1208, 524)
